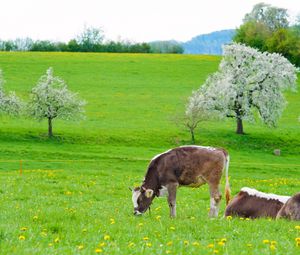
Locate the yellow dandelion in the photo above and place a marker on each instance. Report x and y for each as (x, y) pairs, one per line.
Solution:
(23, 228)
(224, 240)
(141, 224)
(249, 245)
(247, 219)
(112, 221)
(273, 242)
(84, 230)
(196, 244)
(106, 237)
(80, 247)
(131, 244)
(50, 244)
(145, 238)
(241, 218)
(221, 243)
(157, 208)
(216, 251)
(168, 252)
(22, 238)
(266, 241)
(148, 244)
(98, 250)
(56, 240)
(170, 243)
(297, 227)
(35, 217)
(185, 242)
(297, 239)
(211, 245)
(272, 247)
(68, 193)
(158, 217)
(229, 217)
(102, 244)
(172, 228)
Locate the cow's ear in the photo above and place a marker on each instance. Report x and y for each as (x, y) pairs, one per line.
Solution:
(149, 193)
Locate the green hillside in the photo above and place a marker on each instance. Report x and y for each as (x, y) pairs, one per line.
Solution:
(74, 189)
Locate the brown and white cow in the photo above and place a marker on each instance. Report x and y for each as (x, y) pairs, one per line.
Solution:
(183, 166)
(251, 203)
(291, 209)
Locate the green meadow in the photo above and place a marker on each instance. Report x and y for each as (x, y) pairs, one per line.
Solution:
(72, 196)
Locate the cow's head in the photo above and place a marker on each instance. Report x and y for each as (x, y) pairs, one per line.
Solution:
(142, 199)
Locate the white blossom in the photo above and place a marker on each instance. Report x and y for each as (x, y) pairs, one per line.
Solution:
(9, 104)
(246, 80)
(50, 99)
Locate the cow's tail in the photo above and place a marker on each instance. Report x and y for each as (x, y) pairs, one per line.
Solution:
(227, 186)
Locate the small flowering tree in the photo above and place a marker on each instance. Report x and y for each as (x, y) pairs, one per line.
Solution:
(9, 104)
(51, 99)
(247, 80)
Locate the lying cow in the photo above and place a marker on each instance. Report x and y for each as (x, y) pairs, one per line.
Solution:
(183, 166)
(250, 203)
(291, 209)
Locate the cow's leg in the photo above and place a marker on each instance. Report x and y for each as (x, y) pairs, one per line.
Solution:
(172, 188)
(215, 198)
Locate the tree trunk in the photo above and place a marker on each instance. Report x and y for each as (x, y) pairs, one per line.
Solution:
(50, 133)
(193, 136)
(239, 126)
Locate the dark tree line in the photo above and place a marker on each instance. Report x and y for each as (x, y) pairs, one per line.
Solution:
(90, 40)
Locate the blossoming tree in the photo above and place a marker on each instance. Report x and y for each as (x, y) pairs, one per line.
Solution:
(247, 81)
(51, 99)
(9, 104)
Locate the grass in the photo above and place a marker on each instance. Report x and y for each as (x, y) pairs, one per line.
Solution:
(73, 196)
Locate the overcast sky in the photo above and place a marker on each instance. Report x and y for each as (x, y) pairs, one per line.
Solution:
(137, 20)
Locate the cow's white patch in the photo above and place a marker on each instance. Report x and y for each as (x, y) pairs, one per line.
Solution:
(135, 196)
(163, 191)
(268, 196)
(214, 209)
(199, 147)
(160, 154)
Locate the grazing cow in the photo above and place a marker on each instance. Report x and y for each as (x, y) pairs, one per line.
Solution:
(291, 209)
(250, 203)
(183, 166)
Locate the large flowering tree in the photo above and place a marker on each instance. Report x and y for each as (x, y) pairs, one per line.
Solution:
(9, 103)
(51, 99)
(248, 81)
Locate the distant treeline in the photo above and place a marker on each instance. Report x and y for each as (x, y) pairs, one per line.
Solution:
(91, 40)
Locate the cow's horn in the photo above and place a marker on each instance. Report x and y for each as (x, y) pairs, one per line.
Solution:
(149, 193)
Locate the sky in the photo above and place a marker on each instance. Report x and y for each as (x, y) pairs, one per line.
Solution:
(135, 20)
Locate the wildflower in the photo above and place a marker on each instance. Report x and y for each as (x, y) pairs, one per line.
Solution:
(141, 224)
(112, 221)
(68, 193)
(131, 244)
(50, 244)
(24, 228)
(266, 241)
(272, 247)
(84, 230)
(98, 250)
(169, 243)
(249, 245)
(148, 244)
(172, 228)
(221, 243)
(56, 240)
(158, 217)
(35, 217)
(224, 240)
(211, 245)
(22, 238)
(168, 252)
(185, 242)
(157, 208)
(297, 239)
(196, 244)
(145, 238)
(216, 251)
(106, 237)
(80, 247)
(241, 218)
(297, 227)
(273, 242)
(229, 217)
